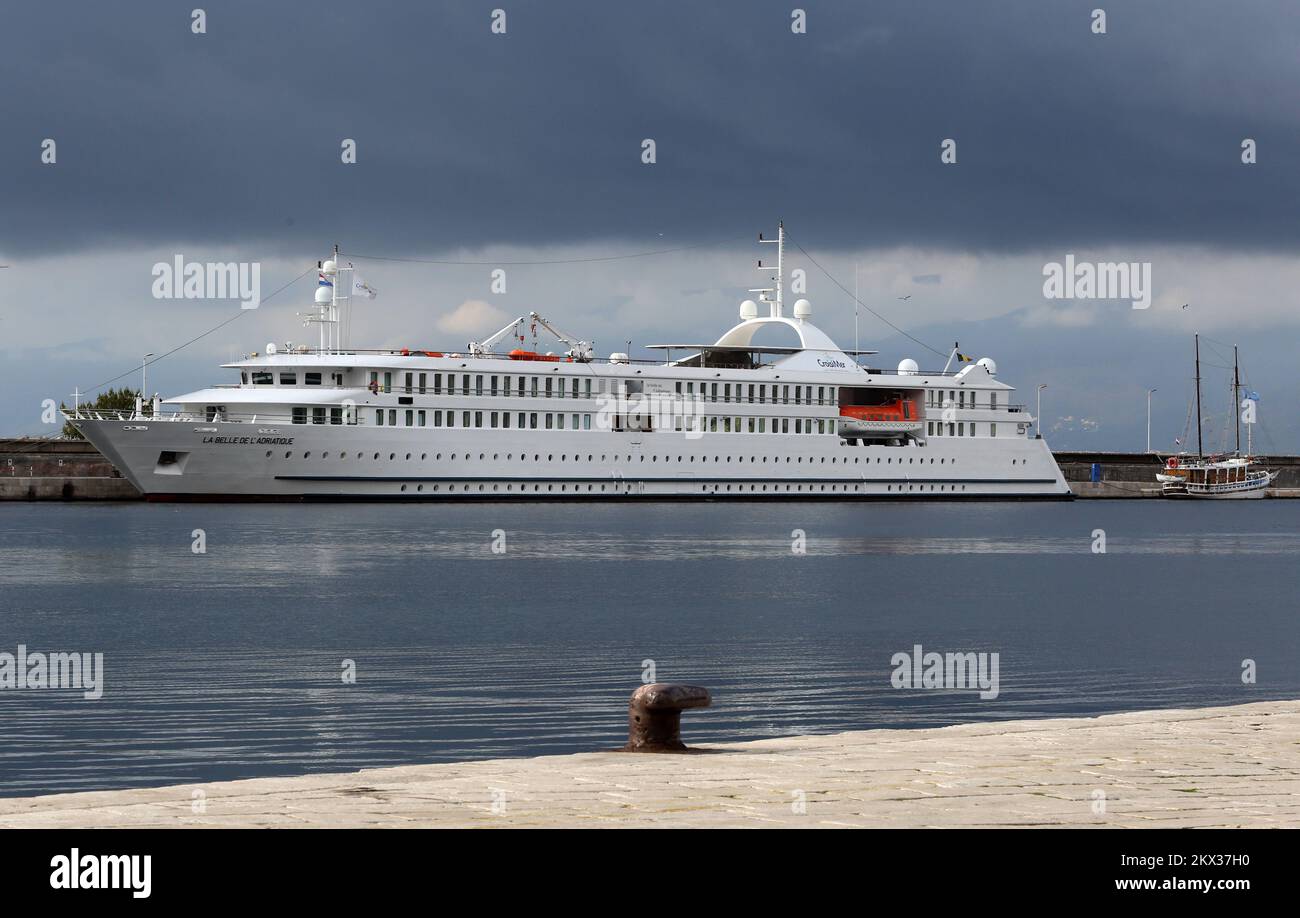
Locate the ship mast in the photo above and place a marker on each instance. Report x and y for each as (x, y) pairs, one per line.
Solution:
(1200, 449)
(1236, 396)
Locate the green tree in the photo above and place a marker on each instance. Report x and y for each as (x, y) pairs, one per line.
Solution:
(108, 400)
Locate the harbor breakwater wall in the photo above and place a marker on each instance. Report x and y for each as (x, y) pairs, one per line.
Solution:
(57, 469)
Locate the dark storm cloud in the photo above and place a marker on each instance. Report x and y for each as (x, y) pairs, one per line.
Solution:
(465, 137)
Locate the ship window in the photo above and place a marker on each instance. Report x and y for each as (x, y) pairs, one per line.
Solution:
(410, 418)
(929, 428)
(299, 414)
(993, 430)
(424, 379)
(796, 395)
(521, 387)
(464, 419)
(288, 379)
(586, 422)
(519, 421)
(993, 400)
(243, 378)
(532, 420)
(409, 377)
(478, 385)
(379, 417)
(493, 419)
(437, 383)
(533, 387)
(420, 418)
(505, 421)
(336, 415)
(587, 388)
(559, 421)
(392, 417)
(478, 419)
(549, 382)
(263, 378)
(961, 428)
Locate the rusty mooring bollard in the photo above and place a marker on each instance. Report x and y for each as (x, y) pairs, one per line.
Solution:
(654, 716)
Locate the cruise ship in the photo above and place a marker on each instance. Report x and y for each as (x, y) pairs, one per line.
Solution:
(731, 420)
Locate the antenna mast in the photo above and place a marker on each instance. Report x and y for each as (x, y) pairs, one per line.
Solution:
(776, 306)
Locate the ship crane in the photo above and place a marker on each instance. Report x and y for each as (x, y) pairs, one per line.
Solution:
(578, 350)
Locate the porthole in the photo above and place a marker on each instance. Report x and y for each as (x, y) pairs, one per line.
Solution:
(403, 487)
(325, 455)
(423, 456)
(268, 454)
(392, 456)
(408, 457)
(419, 487)
(288, 454)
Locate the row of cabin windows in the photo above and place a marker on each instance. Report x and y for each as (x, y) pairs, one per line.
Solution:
(288, 378)
(758, 393)
(413, 417)
(958, 429)
(756, 425)
(955, 398)
(573, 387)
(323, 415)
(481, 384)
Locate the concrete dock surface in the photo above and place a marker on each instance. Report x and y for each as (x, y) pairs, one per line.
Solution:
(1235, 766)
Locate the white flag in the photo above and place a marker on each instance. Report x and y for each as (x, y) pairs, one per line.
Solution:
(361, 289)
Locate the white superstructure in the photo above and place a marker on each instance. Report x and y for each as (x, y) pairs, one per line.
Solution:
(733, 419)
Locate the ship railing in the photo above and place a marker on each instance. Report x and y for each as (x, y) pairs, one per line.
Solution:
(200, 418)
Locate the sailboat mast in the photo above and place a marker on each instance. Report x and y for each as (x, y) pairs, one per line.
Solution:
(1200, 449)
(1236, 395)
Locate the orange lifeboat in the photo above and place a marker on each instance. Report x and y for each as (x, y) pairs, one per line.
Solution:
(893, 417)
(520, 354)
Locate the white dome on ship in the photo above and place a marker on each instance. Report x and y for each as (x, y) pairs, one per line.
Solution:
(908, 367)
(270, 348)
(802, 309)
(748, 310)
(329, 268)
(324, 296)
(988, 364)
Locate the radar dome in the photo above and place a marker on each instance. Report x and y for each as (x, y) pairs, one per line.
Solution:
(908, 367)
(802, 309)
(324, 296)
(988, 364)
(749, 310)
(329, 268)
(270, 348)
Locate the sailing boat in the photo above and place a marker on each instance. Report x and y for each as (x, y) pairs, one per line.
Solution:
(1222, 477)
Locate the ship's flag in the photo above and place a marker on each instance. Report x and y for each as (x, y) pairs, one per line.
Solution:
(361, 289)
(324, 281)
(1252, 395)
(962, 358)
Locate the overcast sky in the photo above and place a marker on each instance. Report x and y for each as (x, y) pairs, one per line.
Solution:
(526, 146)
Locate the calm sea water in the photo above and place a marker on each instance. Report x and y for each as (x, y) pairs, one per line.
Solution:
(228, 664)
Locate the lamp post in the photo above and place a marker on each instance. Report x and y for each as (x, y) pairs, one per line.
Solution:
(1149, 391)
(1038, 418)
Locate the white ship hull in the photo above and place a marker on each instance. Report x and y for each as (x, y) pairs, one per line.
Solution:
(230, 460)
(732, 419)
